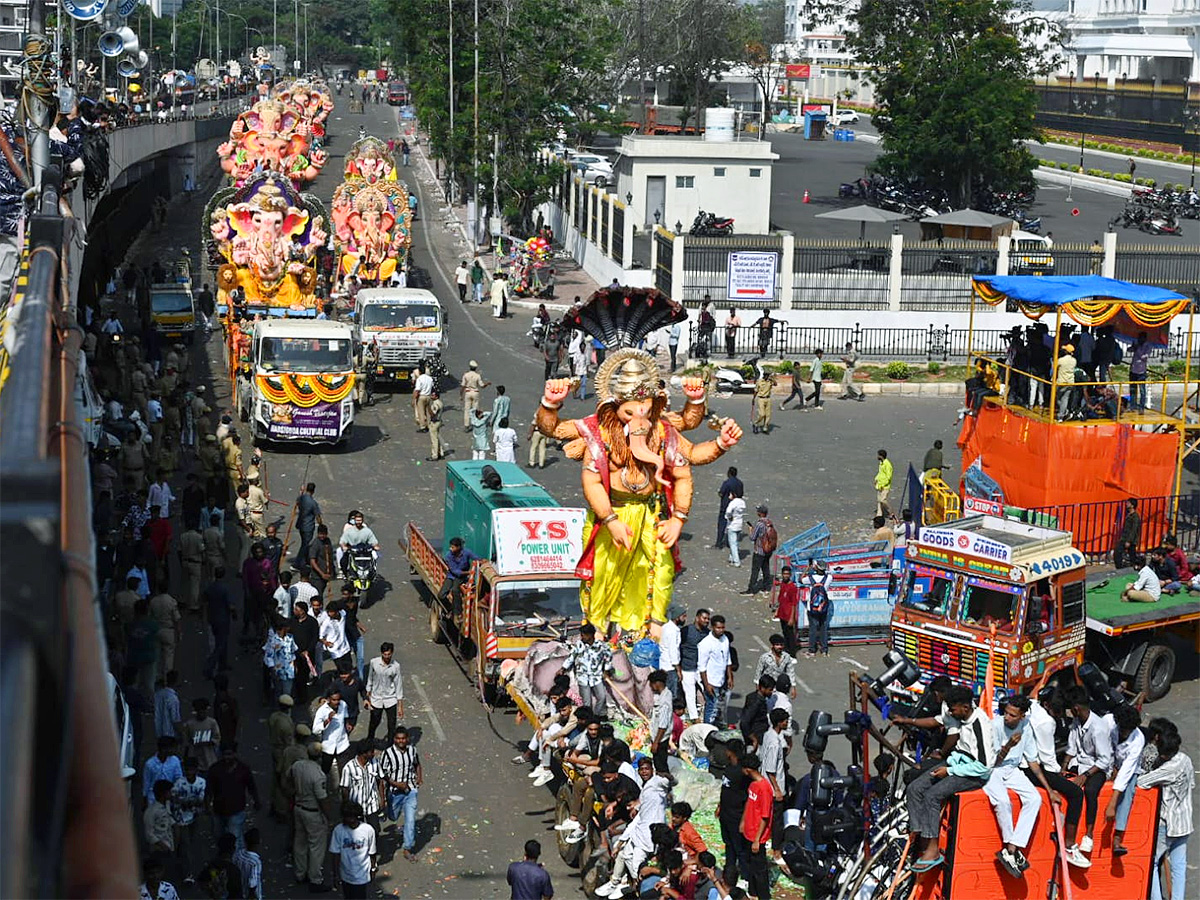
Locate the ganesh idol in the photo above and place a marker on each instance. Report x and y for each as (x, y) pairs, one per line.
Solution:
(636, 462)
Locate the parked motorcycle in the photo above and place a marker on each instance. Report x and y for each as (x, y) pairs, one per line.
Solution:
(1160, 224)
(732, 381)
(708, 224)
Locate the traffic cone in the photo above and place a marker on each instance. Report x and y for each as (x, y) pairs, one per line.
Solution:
(805, 200)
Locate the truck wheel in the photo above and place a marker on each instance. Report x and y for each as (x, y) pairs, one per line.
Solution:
(435, 624)
(1155, 674)
(562, 811)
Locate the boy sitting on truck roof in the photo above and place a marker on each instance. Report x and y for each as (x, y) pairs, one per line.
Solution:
(967, 767)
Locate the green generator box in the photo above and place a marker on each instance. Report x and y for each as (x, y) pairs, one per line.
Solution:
(469, 505)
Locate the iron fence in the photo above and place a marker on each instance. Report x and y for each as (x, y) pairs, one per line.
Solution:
(664, 242)
(840, 275)
(603, 202)
(594, 223)
(618, 233)
(1096, 526)
(931, 343)
(579, 193)
(1177, 268)
(706, 267)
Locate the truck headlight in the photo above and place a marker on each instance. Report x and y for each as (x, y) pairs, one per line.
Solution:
(264, 410)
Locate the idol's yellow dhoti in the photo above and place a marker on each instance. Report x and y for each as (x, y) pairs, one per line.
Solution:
(630, 587)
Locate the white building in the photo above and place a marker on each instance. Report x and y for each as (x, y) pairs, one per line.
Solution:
(669, 179)
(12, 29)
(1146, 40)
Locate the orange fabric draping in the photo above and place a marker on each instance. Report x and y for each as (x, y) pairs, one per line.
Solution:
(1091, 310)
(1040, 464)
(305, 390)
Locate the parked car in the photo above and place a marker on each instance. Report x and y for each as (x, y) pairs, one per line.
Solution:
(1030, 254)
(594, 169)
(845, 117)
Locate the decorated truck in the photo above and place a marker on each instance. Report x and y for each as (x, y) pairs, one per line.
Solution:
(521, 589)
(295, 381)
(407, 325)
(986, 583)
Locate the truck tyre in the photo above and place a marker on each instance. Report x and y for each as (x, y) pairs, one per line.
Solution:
(1155, 674)
(570, 853)
(435, 624)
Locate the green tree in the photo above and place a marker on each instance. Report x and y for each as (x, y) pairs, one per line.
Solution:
(763, 25)
(705, 40)
(953, 86)
(541, 70)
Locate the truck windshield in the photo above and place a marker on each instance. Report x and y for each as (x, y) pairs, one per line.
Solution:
(939, 588)
(528, 602)
(986, 603)
(280, 354)
(170, 302)
(400, 317)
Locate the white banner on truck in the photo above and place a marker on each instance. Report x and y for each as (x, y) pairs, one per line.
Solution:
(537, 540)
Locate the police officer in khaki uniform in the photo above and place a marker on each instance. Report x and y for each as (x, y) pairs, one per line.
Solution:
(191, 557)
(762, 402)
(436, 448)
(309, 790)
(281, 733)
(470, 386)
(256, 497)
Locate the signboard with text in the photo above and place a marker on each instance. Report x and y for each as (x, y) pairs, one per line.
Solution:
(537, 540)
(965, 542)
(320, 422)
(797, 70)
(986, 507)
(752, 275)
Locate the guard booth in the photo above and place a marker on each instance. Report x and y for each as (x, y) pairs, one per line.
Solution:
(814, 125)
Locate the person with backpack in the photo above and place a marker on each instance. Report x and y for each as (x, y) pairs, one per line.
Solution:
(819, 608)
(764, 539)
(707, 325)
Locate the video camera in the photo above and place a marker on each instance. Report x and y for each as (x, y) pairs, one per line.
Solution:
(821, 726)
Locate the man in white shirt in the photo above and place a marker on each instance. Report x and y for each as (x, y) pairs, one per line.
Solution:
(773, 756)
(385, 689)
(362, 783)
(283, 595)
(1089, 756)
(1128, 744)
(661, 720)
(636, 844)
(329, 726)
(668, 647)
(332, 633)
(1016, 750)
(422, 397)
(1044, 715)
(1145, 589)
(354, 851)
(715, 667)
(462, 277)
(160, 495)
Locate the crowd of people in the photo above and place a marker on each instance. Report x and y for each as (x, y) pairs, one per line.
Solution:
(184, 531)
(768, 808)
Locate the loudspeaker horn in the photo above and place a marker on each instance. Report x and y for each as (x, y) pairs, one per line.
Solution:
(111, 44)
(129, 39)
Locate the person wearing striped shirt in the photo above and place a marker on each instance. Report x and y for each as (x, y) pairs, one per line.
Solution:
(362, 783)
(249, 863)
(401, 770)
(1176, 775)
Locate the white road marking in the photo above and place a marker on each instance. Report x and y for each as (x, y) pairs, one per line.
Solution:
(854, 662)
(328, 468)
(799, 680)
(429, 249)
(433, 719)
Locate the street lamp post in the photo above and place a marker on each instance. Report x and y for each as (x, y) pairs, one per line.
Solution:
(296, 33)
(306, 69)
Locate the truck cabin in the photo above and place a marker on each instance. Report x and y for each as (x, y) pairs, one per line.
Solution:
(969, 576)
(171, 300)
(279, 353)
(400, 315)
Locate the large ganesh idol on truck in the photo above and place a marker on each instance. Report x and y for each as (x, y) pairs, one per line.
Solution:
(637, 464)
(372, 221)
(271, 136)
(263, 239)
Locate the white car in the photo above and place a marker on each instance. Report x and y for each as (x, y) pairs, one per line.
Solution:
(126, 752)
(594, 169)
(845, 117)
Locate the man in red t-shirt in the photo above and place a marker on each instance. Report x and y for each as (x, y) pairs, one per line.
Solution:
(756, 826)
(787, 607)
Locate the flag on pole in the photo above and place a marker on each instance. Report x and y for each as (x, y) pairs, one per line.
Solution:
(987, 700)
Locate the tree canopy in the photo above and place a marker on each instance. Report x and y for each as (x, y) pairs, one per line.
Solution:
(953, 87)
